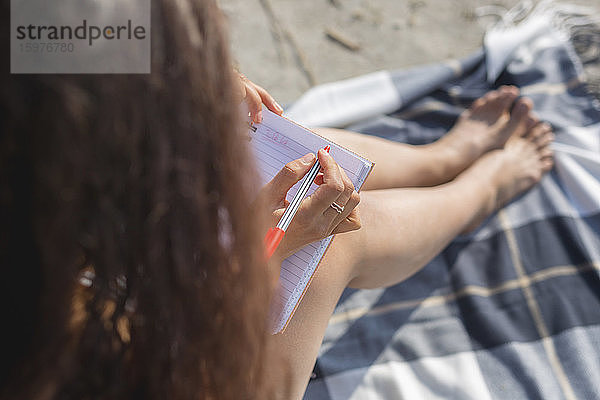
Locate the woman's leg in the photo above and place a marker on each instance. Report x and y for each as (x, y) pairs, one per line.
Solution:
(402, 229)
(485, 126)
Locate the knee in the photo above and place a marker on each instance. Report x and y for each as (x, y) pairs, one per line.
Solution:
(343, 255)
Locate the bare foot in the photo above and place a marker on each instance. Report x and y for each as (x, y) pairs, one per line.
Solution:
(514, 169)
(486, 126)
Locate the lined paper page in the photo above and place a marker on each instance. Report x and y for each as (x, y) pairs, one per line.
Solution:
(276, 142)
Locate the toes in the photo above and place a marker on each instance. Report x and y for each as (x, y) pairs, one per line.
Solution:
(520, 118)
(540, 135)
(547, 164)
(522, 106)
(545, 152)
(531, 121)
(491, 96)
(509, 89)
(545, 138)
(487, 98)
(536, 132)
(508, 95)
(478, 103)
(499, 100)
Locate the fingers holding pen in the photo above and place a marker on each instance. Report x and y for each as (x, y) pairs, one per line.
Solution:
(335, 198)
(350, 219)
(348, 201)
(276, 190)
(316, 218)
(332, 185)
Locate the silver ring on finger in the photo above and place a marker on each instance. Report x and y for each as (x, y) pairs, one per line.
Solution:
(337, 207)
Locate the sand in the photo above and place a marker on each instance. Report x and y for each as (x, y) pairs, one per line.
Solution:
(287, 45)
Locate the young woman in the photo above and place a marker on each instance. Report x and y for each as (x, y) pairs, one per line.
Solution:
(130, 240)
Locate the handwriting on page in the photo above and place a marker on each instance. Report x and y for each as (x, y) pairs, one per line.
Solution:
(274, 150)
(274, 137)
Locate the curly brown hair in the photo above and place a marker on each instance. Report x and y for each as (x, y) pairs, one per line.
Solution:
(130, 256)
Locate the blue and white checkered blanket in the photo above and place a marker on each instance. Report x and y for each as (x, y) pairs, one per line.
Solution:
(511, 311)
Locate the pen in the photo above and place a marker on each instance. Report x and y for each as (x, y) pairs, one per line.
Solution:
(274, 235)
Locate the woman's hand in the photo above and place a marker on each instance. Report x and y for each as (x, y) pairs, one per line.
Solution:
(316, 218)
(255, 96)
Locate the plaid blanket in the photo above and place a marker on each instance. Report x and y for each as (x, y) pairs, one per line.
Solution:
(511, 311)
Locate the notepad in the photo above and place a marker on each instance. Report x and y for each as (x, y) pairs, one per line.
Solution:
(275, 142)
